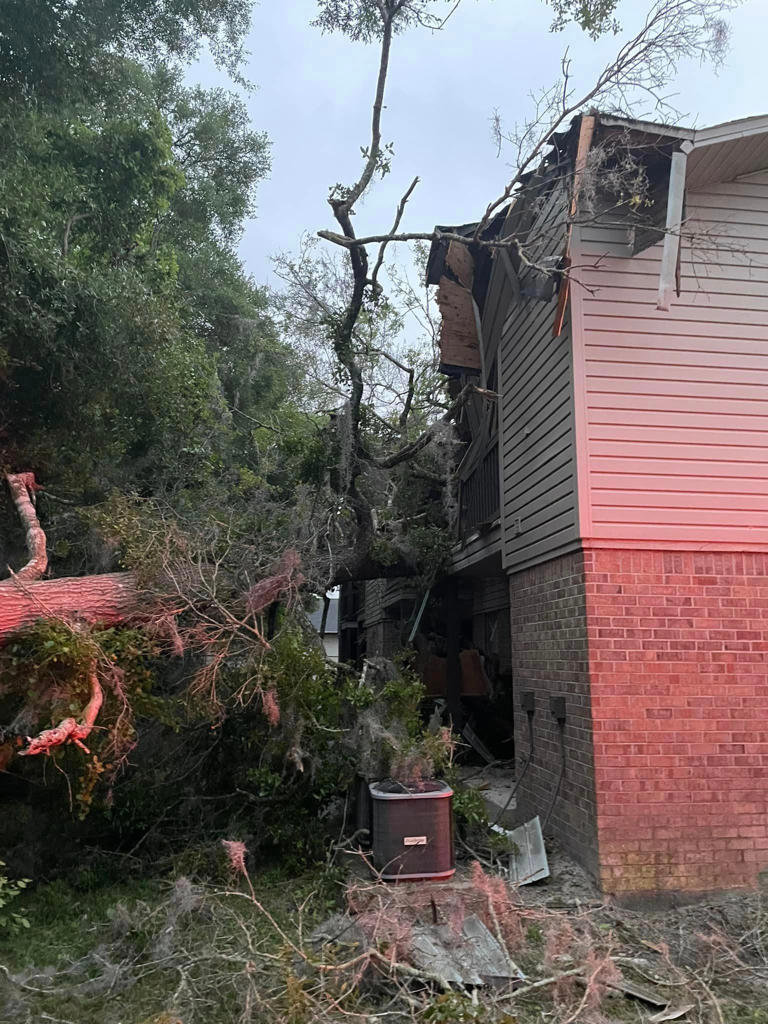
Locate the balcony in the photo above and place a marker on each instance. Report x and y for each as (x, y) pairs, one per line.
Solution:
(479, 503)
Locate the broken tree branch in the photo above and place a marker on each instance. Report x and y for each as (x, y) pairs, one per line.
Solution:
(395, 226)
(413, 448)
(107, 599)
(22, 487)
(69, 730)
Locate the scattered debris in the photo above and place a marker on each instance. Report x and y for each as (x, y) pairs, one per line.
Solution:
(495, 783)
(471, 958)
(635, 990)
(671, 1013)
(527, 856)
(469, 734)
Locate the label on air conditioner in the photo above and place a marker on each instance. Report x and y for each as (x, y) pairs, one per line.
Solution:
(415, 841)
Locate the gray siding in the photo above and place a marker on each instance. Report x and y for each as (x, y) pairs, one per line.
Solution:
(491, 626)
(497, 305)
(372, 610)
(538, 468)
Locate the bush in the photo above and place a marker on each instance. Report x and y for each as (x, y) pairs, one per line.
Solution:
(9, 920)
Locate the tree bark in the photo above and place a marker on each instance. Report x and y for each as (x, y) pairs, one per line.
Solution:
(22, 487)
(69, 730)
(96, 600)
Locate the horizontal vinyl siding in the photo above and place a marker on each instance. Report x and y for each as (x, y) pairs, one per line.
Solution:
(538, 481)
(676, 409)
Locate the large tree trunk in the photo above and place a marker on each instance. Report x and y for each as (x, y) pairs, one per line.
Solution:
(93, 600)
(96, 600)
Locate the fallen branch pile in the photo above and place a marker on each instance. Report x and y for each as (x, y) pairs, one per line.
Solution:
(215, 956)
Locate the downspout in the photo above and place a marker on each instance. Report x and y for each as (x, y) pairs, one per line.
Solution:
(672, 248)
(481, 347)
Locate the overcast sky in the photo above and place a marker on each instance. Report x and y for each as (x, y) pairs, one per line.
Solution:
(313, 98)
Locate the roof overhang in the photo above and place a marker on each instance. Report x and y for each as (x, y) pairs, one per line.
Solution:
(720, 152)
(727, 151)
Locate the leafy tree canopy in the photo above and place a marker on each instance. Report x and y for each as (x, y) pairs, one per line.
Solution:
(135, 353)
(57, 46)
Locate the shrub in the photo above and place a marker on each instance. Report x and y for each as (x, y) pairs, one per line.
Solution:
(10, 920)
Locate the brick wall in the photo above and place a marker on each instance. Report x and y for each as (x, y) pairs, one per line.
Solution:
(549, 656)
(679, 679)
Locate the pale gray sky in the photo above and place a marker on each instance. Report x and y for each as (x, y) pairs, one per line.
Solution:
(314, 100)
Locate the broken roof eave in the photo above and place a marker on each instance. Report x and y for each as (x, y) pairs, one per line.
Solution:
(720, 152)
(723, 132)
(648, 127)
(743, 127)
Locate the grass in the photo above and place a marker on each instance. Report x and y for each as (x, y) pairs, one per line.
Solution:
(133, 952)
(171, 951)
(65, 920)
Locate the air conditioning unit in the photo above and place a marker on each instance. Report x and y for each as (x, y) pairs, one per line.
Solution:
(412, 831)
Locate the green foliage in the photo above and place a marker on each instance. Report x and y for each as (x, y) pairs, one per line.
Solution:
(136, 354)
(118, 947)
(10, 920)
(70, 48)
(404, 695)
(46, 676)
(595, 17)
(469, 807)
(361, 20)
(455, 1008)
(745, 1015)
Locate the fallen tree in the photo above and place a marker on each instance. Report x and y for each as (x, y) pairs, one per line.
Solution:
(222, 624)
(107, 599)
(395, 426)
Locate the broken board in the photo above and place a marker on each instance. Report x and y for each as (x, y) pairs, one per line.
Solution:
(470, 958)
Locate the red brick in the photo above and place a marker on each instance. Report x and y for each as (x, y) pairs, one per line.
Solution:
(666, 652)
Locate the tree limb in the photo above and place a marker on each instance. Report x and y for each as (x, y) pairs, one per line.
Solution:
(67, 229)
(395, 226)
(69, 730)
(22, 487)
(413, 448)
(387, 11)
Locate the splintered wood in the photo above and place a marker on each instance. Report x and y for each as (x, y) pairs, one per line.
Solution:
(458, 332)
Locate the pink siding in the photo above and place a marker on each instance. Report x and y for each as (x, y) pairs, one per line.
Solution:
(672, 422)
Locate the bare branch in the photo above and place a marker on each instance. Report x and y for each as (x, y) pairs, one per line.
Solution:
(387, 11)
(673, 30)
(408, 451)
(22, 487)
(395, 226)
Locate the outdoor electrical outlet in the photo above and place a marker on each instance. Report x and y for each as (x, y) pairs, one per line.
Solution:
(557, 706)
(528, 701)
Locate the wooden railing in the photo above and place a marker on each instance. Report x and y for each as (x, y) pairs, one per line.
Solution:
(479, 493)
